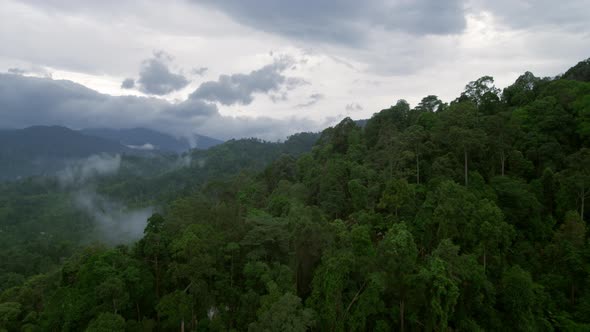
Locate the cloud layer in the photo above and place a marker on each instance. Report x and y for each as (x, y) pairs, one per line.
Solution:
(345, 21)
(128, 83)
(114, 222)
(359, 58)
(314, 98)
(31, 100)
(78, 172)
(156, 78)
(240, 88)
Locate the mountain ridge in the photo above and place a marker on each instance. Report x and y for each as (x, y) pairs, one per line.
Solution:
(140, 137)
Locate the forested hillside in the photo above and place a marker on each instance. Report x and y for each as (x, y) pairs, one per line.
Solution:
(461, 216)
(43, 220)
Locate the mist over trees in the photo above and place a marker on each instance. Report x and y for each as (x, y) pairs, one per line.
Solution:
(461, 216)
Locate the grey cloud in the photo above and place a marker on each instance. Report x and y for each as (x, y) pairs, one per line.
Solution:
(199, 71)
(332, 120)
(277, 97)
(353, 107)
(30, 101)
(571, 14)
(240, 88)
(261, 127)
(193, 108)
(128, 83)
(16, 71)
(80, 171)
(345, 21)
(114, 222)
(155, 77)
(32, 70)
(144, 147)
(313, 99)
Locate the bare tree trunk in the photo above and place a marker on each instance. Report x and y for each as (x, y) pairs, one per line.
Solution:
(582, 204)
(231, 277)
(503, 161)
(484, 259)
(417, 167)
(572, 296)
(355, 298)
(182, 325)
(390, 167)
(157, 267)
(138, 313)
(194, 320)
(401, 315)
(466, 168)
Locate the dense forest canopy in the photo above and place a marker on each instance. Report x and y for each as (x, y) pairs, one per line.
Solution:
(461, 216)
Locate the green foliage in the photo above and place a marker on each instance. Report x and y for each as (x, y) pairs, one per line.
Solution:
(468, 216)
(579, 72)
(282, 313)
(107, 322)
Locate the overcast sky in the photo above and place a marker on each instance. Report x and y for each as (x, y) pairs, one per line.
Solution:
(265, 68)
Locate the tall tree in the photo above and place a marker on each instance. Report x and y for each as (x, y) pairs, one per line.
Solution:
(398, 258)
(577, 178)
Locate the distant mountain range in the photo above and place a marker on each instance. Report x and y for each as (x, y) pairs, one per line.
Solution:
(40, 150)
(54, 142)
(147, 139)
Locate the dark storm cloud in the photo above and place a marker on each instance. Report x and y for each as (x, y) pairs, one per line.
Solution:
(30, 101)
(155, 77)
(128, 83)
(345, 21)
(240, 88)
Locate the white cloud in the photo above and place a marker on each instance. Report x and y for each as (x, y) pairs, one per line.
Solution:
(80, 171)
(99, 44)
(144, 147)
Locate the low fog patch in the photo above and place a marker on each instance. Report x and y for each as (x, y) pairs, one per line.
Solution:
(114, 222)
(144, 147)
(184, 161)
(77, 173)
